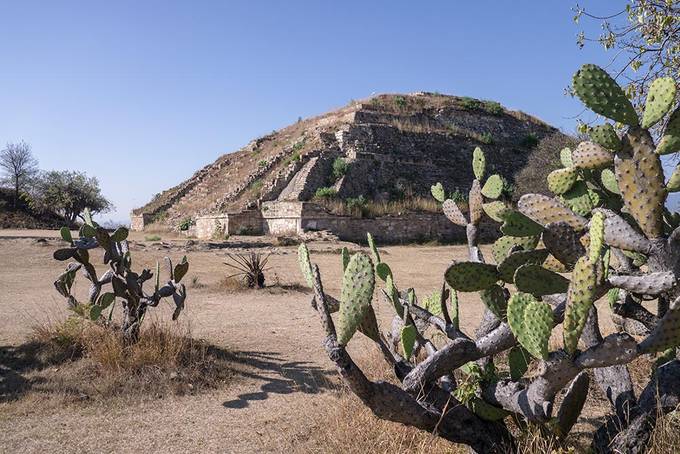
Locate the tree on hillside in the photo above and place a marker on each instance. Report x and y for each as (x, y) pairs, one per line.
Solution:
(645, 36)
(19, 167)
(69, 193)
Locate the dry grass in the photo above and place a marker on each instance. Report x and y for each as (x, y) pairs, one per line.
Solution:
(93, 361)
(231, 284)
(373, 209)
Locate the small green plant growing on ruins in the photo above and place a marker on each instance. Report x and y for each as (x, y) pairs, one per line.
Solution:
(124, 284)
(604, 233)
(185, 224)
(339, 168)
(325, 193)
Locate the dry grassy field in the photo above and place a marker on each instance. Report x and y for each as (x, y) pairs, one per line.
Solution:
(259, 380)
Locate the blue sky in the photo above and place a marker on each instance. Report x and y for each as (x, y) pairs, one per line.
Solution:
(142, 94)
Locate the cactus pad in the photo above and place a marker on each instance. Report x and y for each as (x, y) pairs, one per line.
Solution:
(454, 214)
(596, 236)
(475, 201)
(572, 404)
(518, 362)
(478, 163)
(670, 141)
(493, 188)
(545, 210)
(374, 249)
(552, 264)
(531, 322)
(660, 99)
(563, 242)
(565, 157)
(471, 276)
(502, 246)
(485, 410)
(383, 270)
(589, 155)
(619, 234)
(561, 180)
(494, 299)
(605, 136)
(496, 210)
(393, 295)
(369, 325)
(603, 95)
(507, 267)
(306, 265)
(438, 193)
(517, 224)
(408, 340)
(345, 257)
(581, 294)
(580, 199)
(673, 184)
(357, 291)
(648, 284)
(640, 177)
(539, 281)
(608, 180)
(666, 333)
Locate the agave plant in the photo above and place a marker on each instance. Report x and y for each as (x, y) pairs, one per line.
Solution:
(126, 285)
(250, 267)
(605, 232)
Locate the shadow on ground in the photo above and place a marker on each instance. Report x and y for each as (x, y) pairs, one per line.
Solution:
(279, 377)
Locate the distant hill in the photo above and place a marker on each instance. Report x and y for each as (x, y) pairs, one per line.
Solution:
(391, 144)
(23, 217)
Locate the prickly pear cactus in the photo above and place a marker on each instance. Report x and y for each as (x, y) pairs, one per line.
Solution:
(531, 322)
(602, 95)
(358, 283)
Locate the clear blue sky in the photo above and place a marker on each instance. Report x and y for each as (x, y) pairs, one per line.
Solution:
(143, 93)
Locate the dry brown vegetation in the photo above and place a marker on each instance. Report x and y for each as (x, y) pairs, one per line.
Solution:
(85, 360)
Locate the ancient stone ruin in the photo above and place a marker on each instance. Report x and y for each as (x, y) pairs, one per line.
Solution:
(390, 147)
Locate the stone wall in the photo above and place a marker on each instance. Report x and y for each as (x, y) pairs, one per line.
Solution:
(294, 218)
(139, 221)
(217, 226)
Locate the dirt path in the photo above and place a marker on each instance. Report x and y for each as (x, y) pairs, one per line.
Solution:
(284, 375)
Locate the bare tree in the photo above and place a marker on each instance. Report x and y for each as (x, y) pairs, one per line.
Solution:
(19, 166)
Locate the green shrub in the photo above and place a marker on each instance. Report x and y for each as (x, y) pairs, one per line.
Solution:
(257, 185)
(400, 101)
(530, 141)
(470, 103)
(486, 138)
(325, 193)
(262, 163)
(339, 168)
(185, 224)
(492, 107)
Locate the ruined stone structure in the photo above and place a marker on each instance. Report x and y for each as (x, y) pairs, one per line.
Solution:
(393, 145)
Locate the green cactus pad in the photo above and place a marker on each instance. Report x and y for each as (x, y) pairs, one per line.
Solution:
(565, 157)
(393, 295)
(493, 188)
(453, 310)
(572, 404)
(618, 233)
(666, 334)
(345, 257)
(306, 265)
(589, 155)
(471, 276)
(478, 163)
(518, 362)
(608, 180)
(660, 99)
(602, 95)
(554, 265)
(64, 254)
(494, 299)
(580, 199)
(357, 292)
(640, 177)
(673, 184)
(539, 281)
(438, 193)
(517, 224)
(670, 141)
(369, 325)
(374, 249)
(454, 214)
(507, 268)
(581, 294)
(596, 236)
(502, 246)
(475, 202)
(485, 410)
(181, 269)
(65, 233)
(87, 231)
(496, 210)
(531, 322)
(562, 241)
(408, 340)
(120, 234)
(383, 270)
(605, 136)
(561, 180)
(545, 210)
